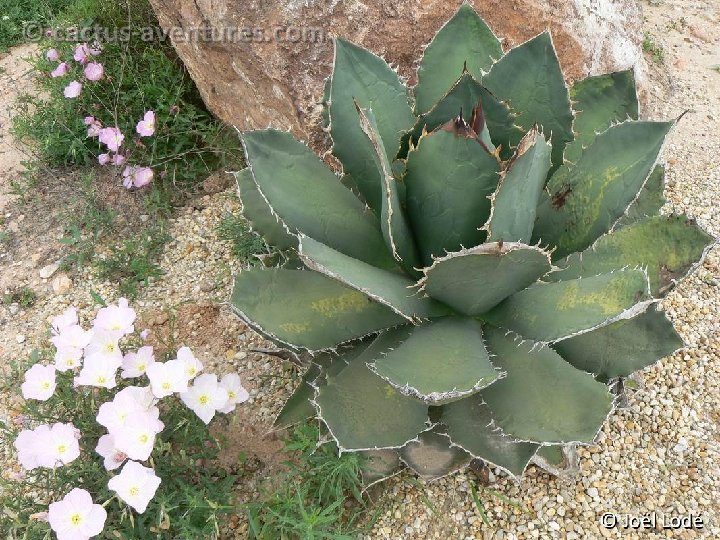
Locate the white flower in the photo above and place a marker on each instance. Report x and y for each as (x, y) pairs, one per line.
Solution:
(135, 364)
(39, 382)
(205, 397)
(68, 358)
(193, 366)
(48, 446)
(97, 371)
(167, 377)
(137, 438)
(29, 444)
(76, 517)
(113, 457)
(236, 392)
(125, 405)
(72, 336)
(117, 319)
(136, 485)
(67, 318)
(104, 343)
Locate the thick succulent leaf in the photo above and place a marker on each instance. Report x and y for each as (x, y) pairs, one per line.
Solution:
(449, 178)
(667, 245)
(395, 228)
(543, 398)
(515, 201)
(377, 465)
(469, 424)
(559, 460)
(529, 78)
(474, 280)
(623, 347)
(648, 202)
(585, 200)
(363, 411)
(599, 102)
(464, 43)
(257, 211)
(465, 95)
(389, 288)
(441, 361)
(363, 78)
(309, 198)
(307, 309)
(433, 455)
(552, 311)
(299, 407)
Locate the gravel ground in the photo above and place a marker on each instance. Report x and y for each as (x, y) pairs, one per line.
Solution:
(659, 454)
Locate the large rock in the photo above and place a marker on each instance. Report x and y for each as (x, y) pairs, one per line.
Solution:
(272, 73)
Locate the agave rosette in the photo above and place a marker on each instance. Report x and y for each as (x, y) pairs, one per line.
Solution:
(490, 260)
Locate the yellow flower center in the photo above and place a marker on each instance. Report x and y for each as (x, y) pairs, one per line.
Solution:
(166, 386)
(191, 371)
(46, 385)
(116, 326)
(70, 362)
(61, 449)
(231, 394)
(134, 491)
(141, 367)
(110, 347)
(101, 380)
(144, 438)
(204, 399)
(76, 519)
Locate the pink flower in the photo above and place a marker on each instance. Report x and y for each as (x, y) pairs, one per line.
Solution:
(136, 485)
(72, 336)
(236, 392)
(118, 159)
(113, 457)
(72, 90)
(53, 55)
(116, 318)
(59, 71)
(94, 71)
(137, 176)
(111, 137)
(144, 334)
(67, 358)
(83, 53)
(104, 159)
(48, 446)
(67, 318)
(76, 517)
(94, 126)
(39, 382)
(205, 397)
(135, 364)
(146, 126)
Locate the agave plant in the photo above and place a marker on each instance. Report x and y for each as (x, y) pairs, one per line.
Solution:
(489, 262)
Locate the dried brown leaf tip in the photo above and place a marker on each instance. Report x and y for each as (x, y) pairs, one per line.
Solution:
(459, 127)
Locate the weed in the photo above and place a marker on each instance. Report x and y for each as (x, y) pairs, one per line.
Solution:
(86, 223)
(650, 46)
(678, 25)
(133, 261)
(16, 14)
(319, 498)
(245, 243)
(24, 296)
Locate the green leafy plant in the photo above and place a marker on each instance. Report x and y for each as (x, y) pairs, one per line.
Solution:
(24, 296)
(490, 260)
(245, 243)
(318, 497)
